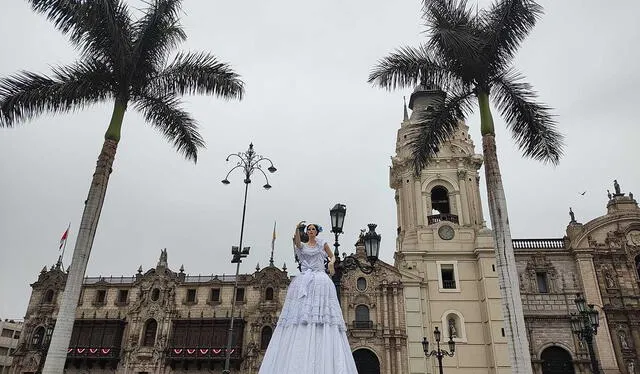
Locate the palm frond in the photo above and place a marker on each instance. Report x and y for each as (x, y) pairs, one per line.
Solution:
(432, 128)
(26, 95)
(164, 113)
(408, 67)
(198, 73)
(453, 35)
(157, 34)
(504, 26)
(532, 126)
(101, 29)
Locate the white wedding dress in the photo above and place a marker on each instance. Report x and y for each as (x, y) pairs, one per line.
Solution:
(310, 337)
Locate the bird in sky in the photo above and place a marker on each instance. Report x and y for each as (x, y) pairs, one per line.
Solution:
(582, 193)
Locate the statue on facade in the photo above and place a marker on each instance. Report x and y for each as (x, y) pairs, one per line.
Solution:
(622, 335)
(609, 194)
(611, 283)
(453, 333)
(616, 187)
(572, 215)
(631, 367)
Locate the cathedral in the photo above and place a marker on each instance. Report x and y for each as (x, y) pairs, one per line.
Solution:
(163, 320)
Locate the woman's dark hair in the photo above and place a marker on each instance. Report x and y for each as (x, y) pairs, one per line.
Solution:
(318, 227)
(303, 233)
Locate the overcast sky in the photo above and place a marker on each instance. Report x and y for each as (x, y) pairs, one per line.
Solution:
(309, 108)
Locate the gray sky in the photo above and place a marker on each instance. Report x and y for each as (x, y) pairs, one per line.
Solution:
(309, 108)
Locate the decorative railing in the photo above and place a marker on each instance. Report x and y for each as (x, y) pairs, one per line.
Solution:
(449, 284)
(362, 324)
(442, 217)
(538, 243)
(109, 353)
(203, 353)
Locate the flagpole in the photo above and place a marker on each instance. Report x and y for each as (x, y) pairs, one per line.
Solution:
(64, 246)
(273, 241)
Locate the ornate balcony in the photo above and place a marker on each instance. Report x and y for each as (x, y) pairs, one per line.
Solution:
(362, 324)
(202, 342)
(442, 217)
(96, 342)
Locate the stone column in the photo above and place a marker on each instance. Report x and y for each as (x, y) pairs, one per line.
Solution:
(388, 358)
(396, 325)
(420, 216)
(385, 310)
(604, 346)
(465, 218)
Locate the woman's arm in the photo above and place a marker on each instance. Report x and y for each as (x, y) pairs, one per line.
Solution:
(296, 236)
(332, 259)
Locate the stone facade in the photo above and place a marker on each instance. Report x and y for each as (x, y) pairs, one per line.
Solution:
(610, 245)
(10, 331)
(161, 321)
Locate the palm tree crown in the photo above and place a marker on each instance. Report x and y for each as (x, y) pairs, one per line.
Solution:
(469, 56)
(124, 60)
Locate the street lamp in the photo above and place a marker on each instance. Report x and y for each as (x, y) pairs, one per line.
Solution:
(585, 324)
(248, 162)
(371, 244)
(40, 340)
(438, 352)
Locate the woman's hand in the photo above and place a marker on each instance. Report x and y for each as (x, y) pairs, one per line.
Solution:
(331, 266)
(300, 223)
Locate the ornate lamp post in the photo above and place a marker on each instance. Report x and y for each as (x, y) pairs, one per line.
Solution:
(41, 339)
(585, 324)
(371, 244)
(248, 162)
(438, 352)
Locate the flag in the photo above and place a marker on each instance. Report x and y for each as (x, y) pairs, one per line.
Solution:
(63, 240)
(273, 240)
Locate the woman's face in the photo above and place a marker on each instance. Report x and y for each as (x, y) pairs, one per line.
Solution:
(312, 231)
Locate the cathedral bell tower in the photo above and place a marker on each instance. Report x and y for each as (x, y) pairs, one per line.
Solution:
(444, 250)
(447, 190)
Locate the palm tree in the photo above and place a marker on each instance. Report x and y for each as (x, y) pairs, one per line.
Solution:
(125, 61)
(469, 55)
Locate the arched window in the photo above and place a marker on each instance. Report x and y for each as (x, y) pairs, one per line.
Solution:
(440, 200)
(150, 329)
(265, 337)
(48, 296)
(37, 338)
(361, 284)
(556, 360)
(268, 294)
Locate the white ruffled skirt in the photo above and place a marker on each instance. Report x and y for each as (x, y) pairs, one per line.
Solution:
(310, 337)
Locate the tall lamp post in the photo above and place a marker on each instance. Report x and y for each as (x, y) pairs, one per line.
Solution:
(371, 245)
(585, 324)
(248, 162)
(438, 352)
(41, 339)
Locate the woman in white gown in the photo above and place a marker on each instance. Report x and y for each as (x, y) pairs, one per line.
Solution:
(310, 337)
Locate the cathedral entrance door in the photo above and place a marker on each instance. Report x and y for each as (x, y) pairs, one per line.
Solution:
(366, 361)
(556, 360)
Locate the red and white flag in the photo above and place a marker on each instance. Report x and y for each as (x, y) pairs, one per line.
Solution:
(63, 240)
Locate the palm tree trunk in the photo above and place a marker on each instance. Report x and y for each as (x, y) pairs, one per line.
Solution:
(57, 353)
(515, 330)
